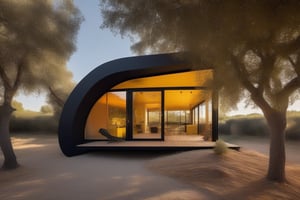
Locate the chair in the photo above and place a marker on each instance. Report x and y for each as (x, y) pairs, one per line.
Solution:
(110, 137)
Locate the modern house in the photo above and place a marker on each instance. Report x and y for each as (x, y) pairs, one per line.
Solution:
(145, 100)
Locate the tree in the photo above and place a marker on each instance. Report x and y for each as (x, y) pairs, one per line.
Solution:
(58, 93)
(17, 105)
(36, 40)
(46, 109)
(253, 46)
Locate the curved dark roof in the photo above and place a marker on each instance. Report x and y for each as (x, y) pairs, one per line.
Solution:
(98, 82)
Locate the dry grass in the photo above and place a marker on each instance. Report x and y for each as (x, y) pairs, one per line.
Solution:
(234, 175)
(27, 114)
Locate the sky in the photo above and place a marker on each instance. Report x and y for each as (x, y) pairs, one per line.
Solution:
(96, 46)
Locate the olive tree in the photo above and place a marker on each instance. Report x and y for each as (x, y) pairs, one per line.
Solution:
(36, 40)
(253, 46)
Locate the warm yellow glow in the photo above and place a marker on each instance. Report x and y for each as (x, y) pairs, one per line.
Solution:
(149, 100)
(184, 99)
(114, 100)
(184, 79)
(106, 111)
(174, 99)
(98, 117)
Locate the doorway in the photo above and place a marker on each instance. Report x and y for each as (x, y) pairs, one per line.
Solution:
(147, 115)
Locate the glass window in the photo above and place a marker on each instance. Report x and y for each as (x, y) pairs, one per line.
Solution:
(202, 115)
(196, 115)
(174, 117)
(209, 111)
(188, 118)
(109, 112)
(146, 110)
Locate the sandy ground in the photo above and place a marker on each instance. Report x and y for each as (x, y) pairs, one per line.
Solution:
(235, 175)
(45, 173)
(261, 145)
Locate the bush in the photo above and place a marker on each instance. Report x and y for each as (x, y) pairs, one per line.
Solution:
(251, 127)
(220, 147)
(46, 109)
(257, 126)
(45, 123)
(244, 126)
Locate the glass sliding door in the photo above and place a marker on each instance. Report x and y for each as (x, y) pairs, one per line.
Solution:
(109, 112)
(147, 115)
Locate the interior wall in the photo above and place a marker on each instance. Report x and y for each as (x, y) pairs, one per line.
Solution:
(102, 116)
(97, 119)
(139, 117)
(108, 112)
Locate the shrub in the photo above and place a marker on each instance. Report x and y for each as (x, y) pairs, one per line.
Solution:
(220, 147)
(46, 109)
(244, 126)
(34, 124)
(257, 126)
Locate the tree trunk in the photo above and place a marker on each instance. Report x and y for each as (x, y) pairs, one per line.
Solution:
(10, 160)
(277, 125)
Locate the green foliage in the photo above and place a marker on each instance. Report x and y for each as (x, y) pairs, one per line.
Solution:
(255, 125)
(46, 109)
(253, 46)
(220, 147)
(252, 127)
(17, 105)
(28, 121)
(35, 59)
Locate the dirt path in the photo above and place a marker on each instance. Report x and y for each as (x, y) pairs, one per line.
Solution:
(47, 174)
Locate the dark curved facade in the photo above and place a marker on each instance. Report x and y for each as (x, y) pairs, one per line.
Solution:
(101, 80)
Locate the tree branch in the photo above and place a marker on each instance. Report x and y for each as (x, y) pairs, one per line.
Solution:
(296, 65)
(58, 100)
(289, 88)
(288, 48)
(242, 74)
(268, 66)
(256, 95)
(5, 79)
(18, 77)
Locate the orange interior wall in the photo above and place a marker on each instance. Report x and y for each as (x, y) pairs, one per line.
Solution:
(97, 119)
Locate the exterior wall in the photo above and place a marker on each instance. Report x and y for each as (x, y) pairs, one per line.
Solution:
(79, 105)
